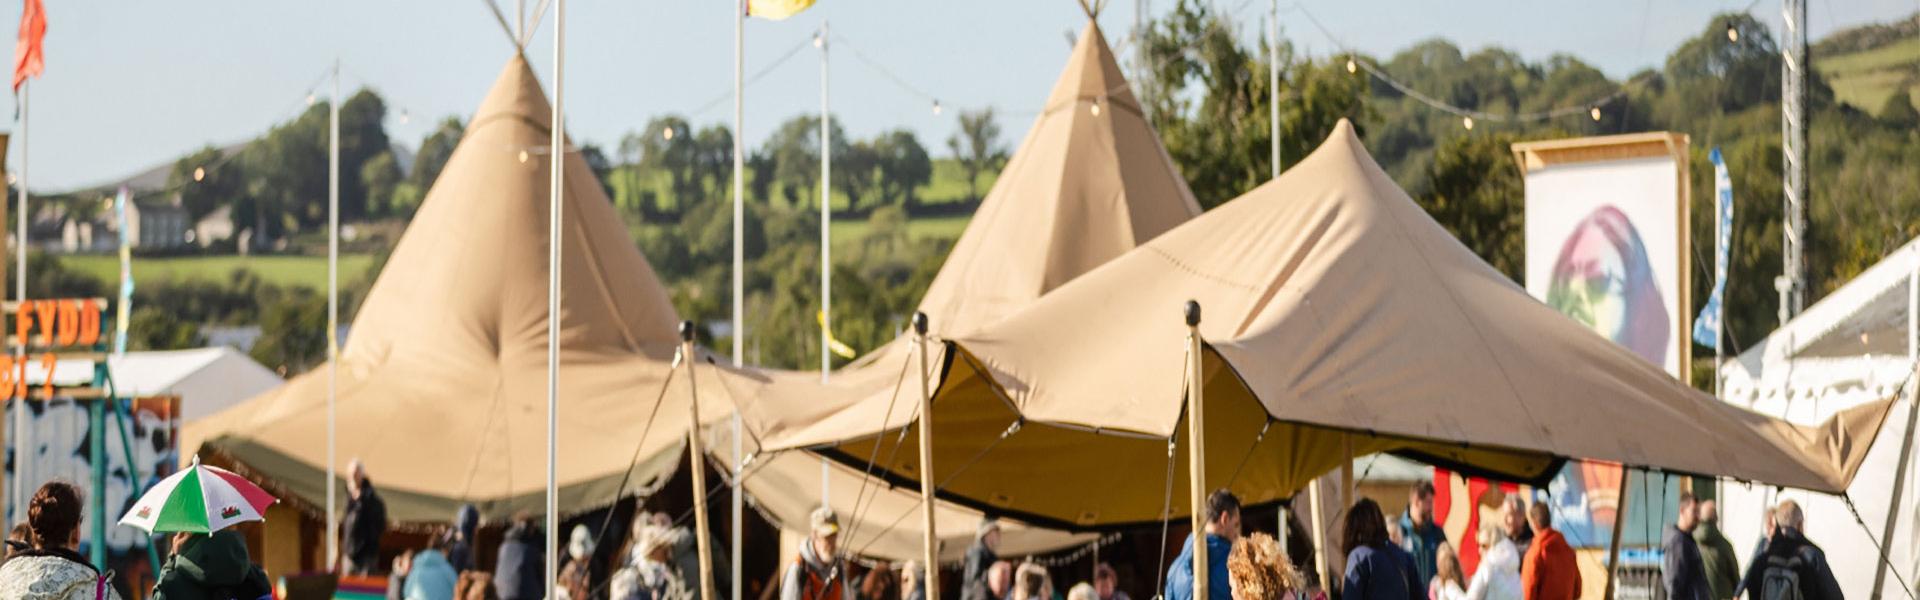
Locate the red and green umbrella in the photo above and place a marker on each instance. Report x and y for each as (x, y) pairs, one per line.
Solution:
(198, 499)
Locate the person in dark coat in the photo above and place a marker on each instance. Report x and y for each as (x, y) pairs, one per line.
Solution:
(521, 564)
(1682, 572)
(1789, 551)
(1376, 568)
(363, 525)
(459, 544)
(211, 567)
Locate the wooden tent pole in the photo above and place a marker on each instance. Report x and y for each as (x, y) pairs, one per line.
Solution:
(1619, 523)
(696, 460)
(1196, 453)
(931, 550)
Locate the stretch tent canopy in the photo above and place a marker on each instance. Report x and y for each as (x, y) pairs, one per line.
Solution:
(1084, 186)
(1339, 320)
(442, 384)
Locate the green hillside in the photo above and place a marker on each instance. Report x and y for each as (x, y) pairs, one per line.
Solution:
(1866, 65)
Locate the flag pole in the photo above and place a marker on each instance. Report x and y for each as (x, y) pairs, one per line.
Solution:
(557, 170)
(20, 428)
(1273, 86)
(826, 211)
(333, 312)
(739, 286)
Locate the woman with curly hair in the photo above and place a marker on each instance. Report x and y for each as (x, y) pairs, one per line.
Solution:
(51, 570)
(1259, 570)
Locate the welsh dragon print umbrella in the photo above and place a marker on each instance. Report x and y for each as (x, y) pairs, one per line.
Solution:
(198, 499)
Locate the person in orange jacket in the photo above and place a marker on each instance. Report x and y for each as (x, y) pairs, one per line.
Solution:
(1550, 572)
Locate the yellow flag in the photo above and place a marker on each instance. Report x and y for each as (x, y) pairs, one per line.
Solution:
(838, 347)
(776, 9)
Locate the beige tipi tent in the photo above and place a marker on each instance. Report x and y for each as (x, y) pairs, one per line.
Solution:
(1089, 182)
(1339, 320)
(442, 381)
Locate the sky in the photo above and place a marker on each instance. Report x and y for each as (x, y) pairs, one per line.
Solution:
(132, 83)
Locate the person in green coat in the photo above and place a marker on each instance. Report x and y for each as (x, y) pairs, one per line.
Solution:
(1716, 553)
(211, 567)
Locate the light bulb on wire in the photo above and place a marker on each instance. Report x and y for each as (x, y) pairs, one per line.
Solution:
(199, 173)
(523, 156)
(1733, 34)
(1351, 67)
(936, 108)
(1095, 108)
(667, 134)
(1468, 121)
(1595, 113)
(310, 99)
(403, 116)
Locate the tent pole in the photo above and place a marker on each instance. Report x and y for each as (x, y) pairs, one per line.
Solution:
(826, 213)
(738, 501)
(1317, 513)
(696, 460)
(1913, 418)
(555, 242)
(1196, 453)
(20, 446)
(1619, 523)
(932, 549)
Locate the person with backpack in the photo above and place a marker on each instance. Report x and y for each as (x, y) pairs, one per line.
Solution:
(818, 573)
(50, 569)
(211, 567)
(1791, 567)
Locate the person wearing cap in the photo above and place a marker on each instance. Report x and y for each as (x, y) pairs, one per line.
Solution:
(818, 573)
(981, 556)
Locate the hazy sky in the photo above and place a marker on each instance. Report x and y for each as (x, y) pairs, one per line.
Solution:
(132, 83)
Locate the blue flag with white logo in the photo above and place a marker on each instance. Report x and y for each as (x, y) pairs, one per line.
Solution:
(1706, 327)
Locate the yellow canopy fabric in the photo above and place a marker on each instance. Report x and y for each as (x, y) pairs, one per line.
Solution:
(1339, 320)
(1083, 187)
(442, 383)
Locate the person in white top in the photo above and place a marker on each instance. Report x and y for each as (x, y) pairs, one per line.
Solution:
(1498, 577)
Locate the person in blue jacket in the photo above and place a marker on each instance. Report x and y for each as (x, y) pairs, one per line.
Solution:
(1377, 569)
(1223, 529)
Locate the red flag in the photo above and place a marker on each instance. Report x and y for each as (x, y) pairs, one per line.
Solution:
(27, 60)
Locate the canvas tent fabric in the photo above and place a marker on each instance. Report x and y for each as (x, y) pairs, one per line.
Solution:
(1853, 347)
(442, 387)
(1339, 320)
(1083, 187)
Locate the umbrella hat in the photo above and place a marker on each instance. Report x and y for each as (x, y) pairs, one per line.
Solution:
(198, 499)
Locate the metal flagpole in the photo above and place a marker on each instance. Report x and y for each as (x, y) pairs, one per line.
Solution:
(1273, 84)
(20, 430)
(1196, 452)
(703, 532)
(739, 287)
(333, 314)
(931, 549)
(556, 168)
(826, 212)
(826, 241)
(739, 185)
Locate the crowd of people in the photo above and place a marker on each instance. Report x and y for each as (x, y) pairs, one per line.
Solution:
(1403, 558)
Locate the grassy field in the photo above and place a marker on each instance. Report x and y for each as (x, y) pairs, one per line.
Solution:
(308, 271)
(846, 232)
(1866, 79)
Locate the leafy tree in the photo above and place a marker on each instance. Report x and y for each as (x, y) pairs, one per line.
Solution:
(1899, 111)
(903, 166)
(435, 149)
(1475, 191)
(221, 182)
(977, 147)
(380, 177)
(293, 332)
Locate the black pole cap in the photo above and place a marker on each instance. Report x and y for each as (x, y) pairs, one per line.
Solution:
(1193, 313)
(686, 331)
(920, 323)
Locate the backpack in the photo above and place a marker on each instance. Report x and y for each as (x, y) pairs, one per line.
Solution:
(1781, 579)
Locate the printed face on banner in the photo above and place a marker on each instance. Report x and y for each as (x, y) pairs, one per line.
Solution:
(1604, 248)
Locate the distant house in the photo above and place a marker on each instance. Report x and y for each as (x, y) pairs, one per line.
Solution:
(216, 226)
(158, 225)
